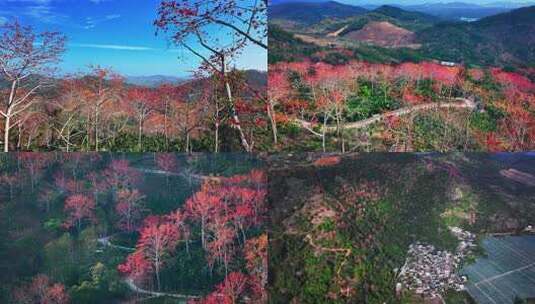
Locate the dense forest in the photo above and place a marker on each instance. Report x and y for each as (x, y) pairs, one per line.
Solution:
(110, 228)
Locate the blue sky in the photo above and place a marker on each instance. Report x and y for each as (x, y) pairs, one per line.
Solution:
(113, 33)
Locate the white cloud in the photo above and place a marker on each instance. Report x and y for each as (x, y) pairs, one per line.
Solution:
(112, 47)
(91, 22)
(35, 9)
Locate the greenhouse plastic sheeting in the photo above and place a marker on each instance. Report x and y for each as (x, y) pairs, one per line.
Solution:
(507, 271)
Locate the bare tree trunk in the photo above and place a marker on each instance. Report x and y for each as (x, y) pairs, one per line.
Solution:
(233, 109)
(157, 266)
(96, 129)
(272, 118)
(216, 145)
(323, 133)
(203, 237)
(7, 126)
(19, 137)
(140, 131)
(216, 131)
(188, 148)
(165, 126)
(237, 124)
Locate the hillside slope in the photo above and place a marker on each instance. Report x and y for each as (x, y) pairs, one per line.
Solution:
(310, 13)
(383, 34)
(342, 226)
(504, 39)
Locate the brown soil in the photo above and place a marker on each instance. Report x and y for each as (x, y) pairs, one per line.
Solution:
(384, 34)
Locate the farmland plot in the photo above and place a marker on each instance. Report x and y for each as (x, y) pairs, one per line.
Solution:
(507, 272)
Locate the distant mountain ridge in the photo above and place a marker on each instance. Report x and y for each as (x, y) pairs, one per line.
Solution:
(457, 10)
(154, 80)
(253, 77)
(449, 10)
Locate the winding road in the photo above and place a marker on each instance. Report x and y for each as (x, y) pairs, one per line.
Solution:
(130, 283)
(105, 241)
(183, 174)
(458, 103)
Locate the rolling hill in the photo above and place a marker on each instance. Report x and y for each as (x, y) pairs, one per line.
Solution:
(404, 15)
(504, 39)
(383, 34)
(386, 26)
(154, 80)
(313, 12)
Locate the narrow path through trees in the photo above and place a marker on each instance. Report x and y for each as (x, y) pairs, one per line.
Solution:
(458, 103)
(183, 174)
(105, 241)
(132, 286)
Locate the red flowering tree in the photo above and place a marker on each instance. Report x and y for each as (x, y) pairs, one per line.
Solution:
(129, 208)
(41, 290)
(201, 206)
(102, 89)
(230, 291)
(141, 102)
(119, 175)
(186, 21)
(156, 243)
(256, 255)
(136, 267)
(220, 245)
(79, 208)
(24, 53)
(278, 89)
(178, 219)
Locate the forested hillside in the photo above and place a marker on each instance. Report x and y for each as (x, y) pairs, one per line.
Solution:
(507, 39)
(343, 226)
(110, 228)
(395, 80)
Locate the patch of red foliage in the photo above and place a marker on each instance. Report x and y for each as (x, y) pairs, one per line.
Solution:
(476, 74)
(513, 79)
(327, 161)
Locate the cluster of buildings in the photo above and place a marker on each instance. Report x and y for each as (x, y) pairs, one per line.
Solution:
(428, 272)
